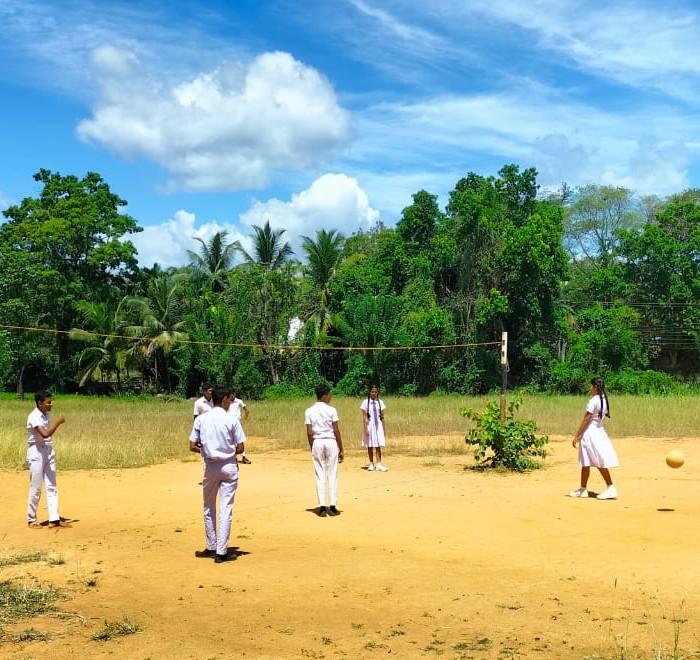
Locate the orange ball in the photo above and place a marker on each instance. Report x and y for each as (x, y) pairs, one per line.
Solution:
(675, 458)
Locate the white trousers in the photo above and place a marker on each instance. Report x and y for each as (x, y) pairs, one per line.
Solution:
(42, 470)
(325, 457)
(219, 479)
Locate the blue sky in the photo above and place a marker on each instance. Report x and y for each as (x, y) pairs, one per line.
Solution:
(332, 113)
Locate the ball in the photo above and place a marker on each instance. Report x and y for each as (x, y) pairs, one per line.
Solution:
(675, 458)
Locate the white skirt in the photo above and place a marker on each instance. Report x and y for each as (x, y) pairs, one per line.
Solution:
(596, 450)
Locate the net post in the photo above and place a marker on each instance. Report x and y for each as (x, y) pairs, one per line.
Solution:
(504, 375)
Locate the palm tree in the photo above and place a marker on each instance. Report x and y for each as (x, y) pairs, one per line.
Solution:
(271, 265)
(269, 252)
(214, 259)
(324, 256)
(109, 352)
(160, 323)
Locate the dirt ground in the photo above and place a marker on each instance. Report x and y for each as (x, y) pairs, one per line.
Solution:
(426, 560)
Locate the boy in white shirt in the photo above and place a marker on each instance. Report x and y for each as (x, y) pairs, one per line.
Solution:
(42, 461)
(323, 434)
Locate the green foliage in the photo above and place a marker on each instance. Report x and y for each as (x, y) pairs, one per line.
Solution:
(283, 391)
(631, 381)
(511, 444)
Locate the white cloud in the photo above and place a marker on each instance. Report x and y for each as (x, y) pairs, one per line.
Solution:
(223, 130)
(167, 243)
(333, 201)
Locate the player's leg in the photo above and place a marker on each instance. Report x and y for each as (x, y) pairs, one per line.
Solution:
(210, 487)
(35, 460)
(332, 472)
(50, 487)
(227, 494)
(318, 457)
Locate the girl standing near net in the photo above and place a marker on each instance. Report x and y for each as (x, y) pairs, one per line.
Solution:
(372, 410)
(594, 446)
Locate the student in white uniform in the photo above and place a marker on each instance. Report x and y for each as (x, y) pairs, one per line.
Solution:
(218, 437)
(239, 409)
(373, 437)
(41, 459)
(323, 434)
(594, 446)
(204, 403)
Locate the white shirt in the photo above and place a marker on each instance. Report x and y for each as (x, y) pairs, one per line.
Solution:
(201, 406)
(37, 418)
(236, 408)
(321, 417)
(219, 433)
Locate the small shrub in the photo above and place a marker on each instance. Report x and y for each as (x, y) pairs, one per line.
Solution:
(511, 445)
(115, 629)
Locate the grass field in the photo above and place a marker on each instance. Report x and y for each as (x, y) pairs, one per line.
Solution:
(122, 433)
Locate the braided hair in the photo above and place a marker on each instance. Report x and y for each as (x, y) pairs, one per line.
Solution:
(369, 398)
(599, 383)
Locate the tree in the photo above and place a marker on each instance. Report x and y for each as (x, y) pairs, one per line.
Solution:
(269, 250)
(661, 264)
(109, 351)
(324, 256)
(75, 233)
(272, 271)
(160, 324)
(214, 259)
(594, 220)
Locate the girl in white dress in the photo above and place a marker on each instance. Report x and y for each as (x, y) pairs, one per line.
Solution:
(372, 410)
(594, 446)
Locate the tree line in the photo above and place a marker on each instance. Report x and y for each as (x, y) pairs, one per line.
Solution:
(587, 280)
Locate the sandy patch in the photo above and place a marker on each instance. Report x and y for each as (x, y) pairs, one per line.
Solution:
(427, 559)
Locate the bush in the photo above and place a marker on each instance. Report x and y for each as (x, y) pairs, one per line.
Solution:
(512, 445)
(283, 391)
(632, 381)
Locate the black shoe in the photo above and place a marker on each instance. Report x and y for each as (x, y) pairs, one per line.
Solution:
(220, 559)
(332, 511)
(246, 460)
(321, 512)
(204, 553)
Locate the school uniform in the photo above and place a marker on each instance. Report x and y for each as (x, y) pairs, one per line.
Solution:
(41, 459)
(219, 434)
(324, 451)
(595, 448)
(202, 405)
(373, 410)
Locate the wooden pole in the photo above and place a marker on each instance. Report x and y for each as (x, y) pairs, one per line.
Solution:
(504, 375)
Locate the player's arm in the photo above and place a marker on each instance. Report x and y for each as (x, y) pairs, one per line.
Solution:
(195, 441)
(310, 435)
(339, 441)
(245, 412)
(364, 422)
(581, 429)
(48, 431)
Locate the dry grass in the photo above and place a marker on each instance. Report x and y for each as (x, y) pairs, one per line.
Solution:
(118, 433)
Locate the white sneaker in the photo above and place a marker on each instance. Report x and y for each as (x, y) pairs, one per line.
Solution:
(371, 468)
(610, 493)
(381, 468)
(579, 492)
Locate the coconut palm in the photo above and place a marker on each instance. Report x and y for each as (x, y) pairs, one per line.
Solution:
(324, 255)
(269, 251)
(214, 259)
(160, 325)
(109, 352)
